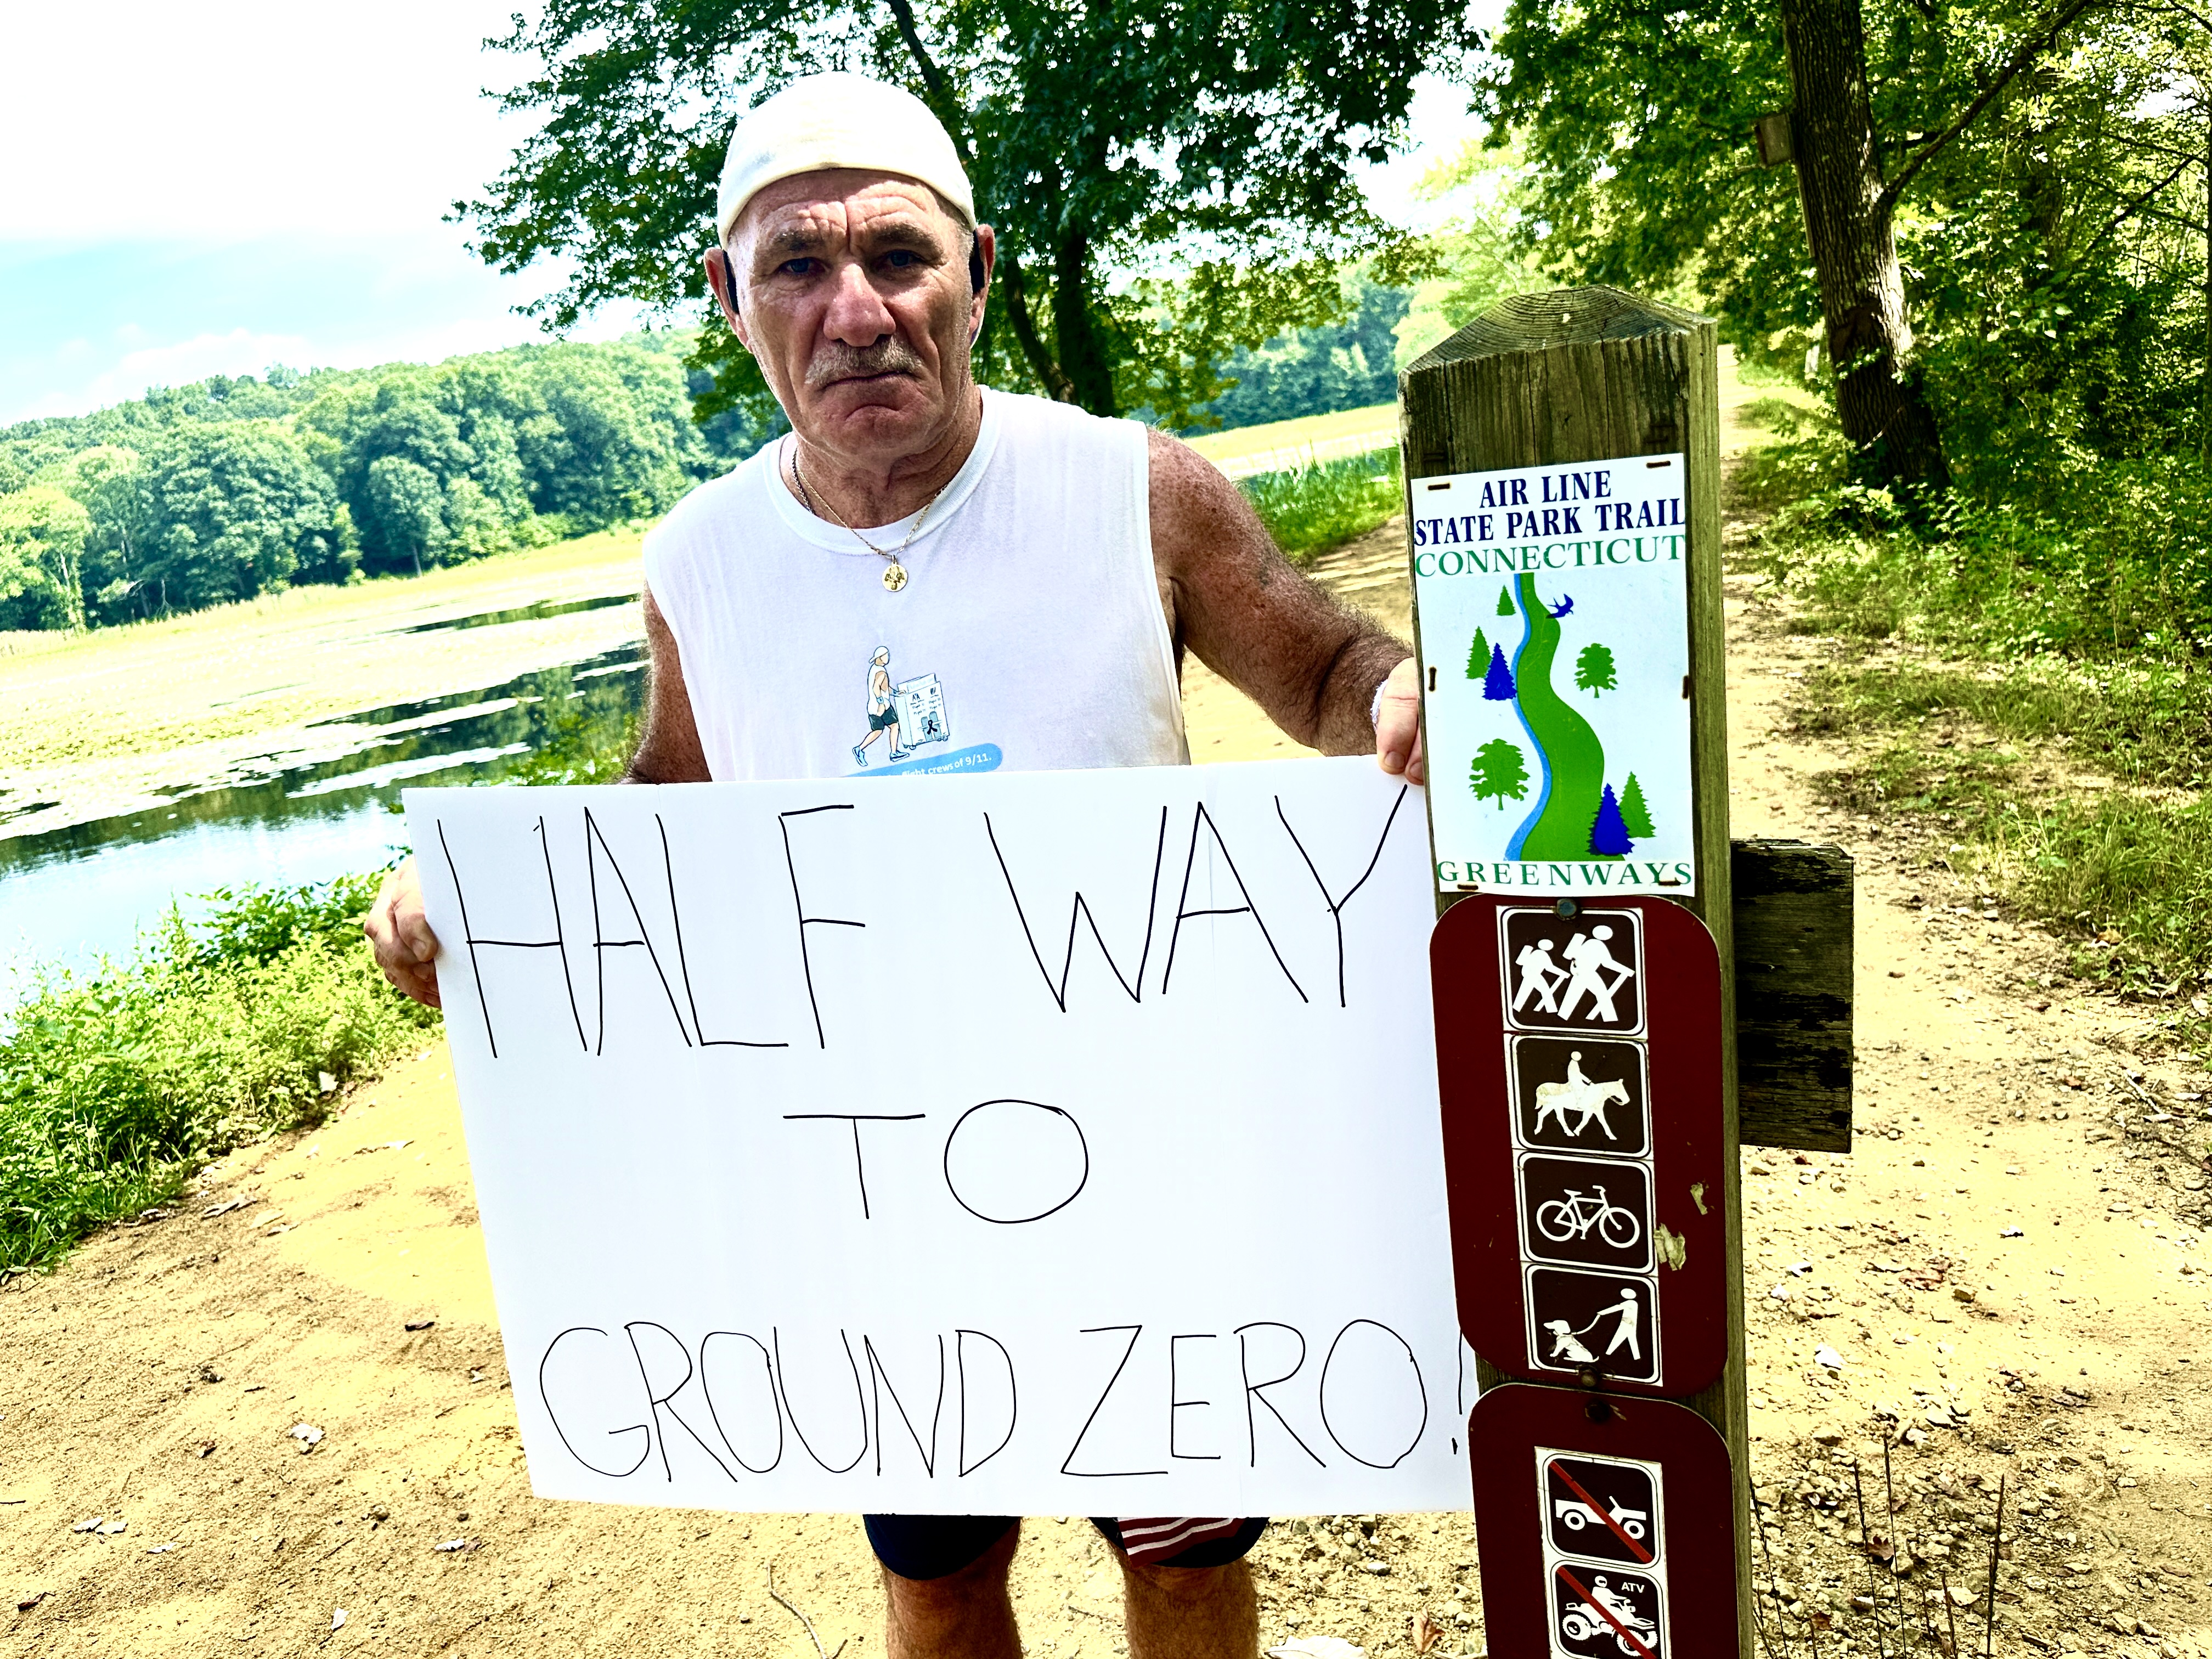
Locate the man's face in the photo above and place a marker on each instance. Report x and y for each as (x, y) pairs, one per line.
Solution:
(854, 295)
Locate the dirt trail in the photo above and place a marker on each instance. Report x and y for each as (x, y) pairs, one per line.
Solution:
(156, 1379)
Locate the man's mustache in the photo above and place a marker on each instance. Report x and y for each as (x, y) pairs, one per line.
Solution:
(839, 361)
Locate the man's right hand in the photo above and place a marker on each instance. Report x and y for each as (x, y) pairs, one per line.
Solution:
(400, 935)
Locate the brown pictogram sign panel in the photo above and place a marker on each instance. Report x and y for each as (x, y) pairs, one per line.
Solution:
(1578, 1053)
(1580, 1095)
(1583, 972)
(1601, 1535)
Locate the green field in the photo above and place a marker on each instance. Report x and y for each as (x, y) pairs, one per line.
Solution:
(97, 723)
(1223, 447)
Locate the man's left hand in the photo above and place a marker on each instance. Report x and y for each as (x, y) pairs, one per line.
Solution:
(1398, 724)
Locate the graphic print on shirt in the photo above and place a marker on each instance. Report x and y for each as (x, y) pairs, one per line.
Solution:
(909, 714)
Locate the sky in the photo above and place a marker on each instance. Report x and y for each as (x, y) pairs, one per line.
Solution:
(248, 182)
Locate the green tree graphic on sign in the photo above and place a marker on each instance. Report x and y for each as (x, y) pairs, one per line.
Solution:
(1634, 816)
(1498, 773)
(1478, 656)
(1504, 601)
(1594, 669)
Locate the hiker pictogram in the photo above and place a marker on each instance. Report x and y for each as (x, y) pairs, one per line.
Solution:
(1583, 972)
(1580, 1094)
(1591, 1211)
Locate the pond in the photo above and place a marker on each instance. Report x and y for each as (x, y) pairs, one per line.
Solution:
(70, 896)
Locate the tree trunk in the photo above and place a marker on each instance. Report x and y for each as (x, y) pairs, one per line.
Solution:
(1082, 353)
(1014, 287)
(1879, 399)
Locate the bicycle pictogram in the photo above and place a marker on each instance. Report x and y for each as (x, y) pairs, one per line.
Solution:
(1586, 1212)
(1570, 1217)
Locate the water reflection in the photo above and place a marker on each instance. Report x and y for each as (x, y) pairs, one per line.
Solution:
(69, 895)
(538, 612)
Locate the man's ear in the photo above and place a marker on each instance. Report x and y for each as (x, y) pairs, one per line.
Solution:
(722, 282)
(982, 259)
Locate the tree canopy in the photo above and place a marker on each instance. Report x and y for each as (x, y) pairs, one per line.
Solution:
(1102, 139)
(2041, 167)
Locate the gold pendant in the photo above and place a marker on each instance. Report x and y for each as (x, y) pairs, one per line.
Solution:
(894, 576)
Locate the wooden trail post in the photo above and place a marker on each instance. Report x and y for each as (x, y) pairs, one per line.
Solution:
(1549, 633)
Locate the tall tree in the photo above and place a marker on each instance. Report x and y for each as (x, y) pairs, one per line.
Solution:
(406, 509)
(1635, 810)
(235, 511)
(1638, 124)
(1608, 834)
(1098, 133)
(1852, 237)
(1594, 669)
(1477, 655)
(1498, 773)
(42, 537)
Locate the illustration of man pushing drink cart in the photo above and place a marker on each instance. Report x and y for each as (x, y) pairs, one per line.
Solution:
(912, 714)
(883, 710)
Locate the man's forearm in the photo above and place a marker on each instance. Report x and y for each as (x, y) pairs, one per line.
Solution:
(1345, 726)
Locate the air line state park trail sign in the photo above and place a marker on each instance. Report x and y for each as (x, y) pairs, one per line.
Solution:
(1554, 625)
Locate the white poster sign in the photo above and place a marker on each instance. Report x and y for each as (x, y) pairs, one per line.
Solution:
(1022, 1144)
(1554, 624)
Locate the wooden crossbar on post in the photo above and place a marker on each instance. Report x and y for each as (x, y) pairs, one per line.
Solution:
(1588, 375)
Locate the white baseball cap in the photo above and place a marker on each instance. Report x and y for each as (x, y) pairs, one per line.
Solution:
(839, 120)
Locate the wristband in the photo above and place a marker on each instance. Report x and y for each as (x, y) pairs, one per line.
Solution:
(1374, 708)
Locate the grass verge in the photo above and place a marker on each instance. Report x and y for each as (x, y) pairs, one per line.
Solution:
(1314, 508)
(116, 1086)
(2028, 679)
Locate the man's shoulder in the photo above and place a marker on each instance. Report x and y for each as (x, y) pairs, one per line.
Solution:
(709, 503)
(1055, 421)
(688, 533)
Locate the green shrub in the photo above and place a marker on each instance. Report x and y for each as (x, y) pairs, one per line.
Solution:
(115, 1086)
(2080, 603)
(2124, 871)
(1314, 508)
(2099, 559)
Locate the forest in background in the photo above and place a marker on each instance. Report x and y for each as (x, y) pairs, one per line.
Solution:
(230, 488)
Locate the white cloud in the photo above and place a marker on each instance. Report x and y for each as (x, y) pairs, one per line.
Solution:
(179, 363)
(249, 116)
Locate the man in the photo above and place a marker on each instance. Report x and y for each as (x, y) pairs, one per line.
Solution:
(911, 516)
(1540, 977)
(1630, 1313)
(1591, 957)
(883, 716)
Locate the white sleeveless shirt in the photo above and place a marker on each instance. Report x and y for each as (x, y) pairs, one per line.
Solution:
(1029, 634)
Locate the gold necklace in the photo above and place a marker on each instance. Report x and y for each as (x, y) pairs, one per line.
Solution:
(895, 574)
